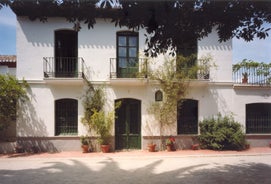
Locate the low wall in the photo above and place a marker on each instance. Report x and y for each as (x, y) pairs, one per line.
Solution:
(182, 142)
(258, 140)
(58, 144)
(41, 144)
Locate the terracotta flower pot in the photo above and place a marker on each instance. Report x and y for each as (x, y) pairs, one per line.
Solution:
(105, 148)
(169, 147)
(84, 148)
(151, 147)
(244, 80)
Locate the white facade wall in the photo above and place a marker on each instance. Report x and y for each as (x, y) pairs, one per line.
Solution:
(35, 40)
(241, 97)
(221, 54)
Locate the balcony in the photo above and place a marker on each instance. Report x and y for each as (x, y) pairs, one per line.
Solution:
(128, 71)
(64, 67)
(258, 75)
(128, 68)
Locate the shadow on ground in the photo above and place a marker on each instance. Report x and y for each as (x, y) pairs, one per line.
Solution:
(110, 171)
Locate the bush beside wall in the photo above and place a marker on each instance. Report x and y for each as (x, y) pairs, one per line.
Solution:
(221, 133)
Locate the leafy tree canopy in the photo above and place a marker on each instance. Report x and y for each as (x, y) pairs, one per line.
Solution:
(170, 24)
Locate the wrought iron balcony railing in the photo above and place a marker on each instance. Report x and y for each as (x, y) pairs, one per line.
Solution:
(128, 68)
(258, 75)
(138, 68)
(195, 73)
(64, 67)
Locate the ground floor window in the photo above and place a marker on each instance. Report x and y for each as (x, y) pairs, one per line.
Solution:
(258, 118)
(187, 118)
(66, 117)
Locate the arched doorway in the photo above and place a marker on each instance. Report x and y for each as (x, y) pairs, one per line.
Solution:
(128, 124)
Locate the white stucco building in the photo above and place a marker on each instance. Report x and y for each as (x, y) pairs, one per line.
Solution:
(54, 59)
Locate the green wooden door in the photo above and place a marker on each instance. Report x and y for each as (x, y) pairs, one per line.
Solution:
(128, 125)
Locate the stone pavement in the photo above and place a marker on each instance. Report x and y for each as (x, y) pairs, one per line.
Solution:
(252, 166)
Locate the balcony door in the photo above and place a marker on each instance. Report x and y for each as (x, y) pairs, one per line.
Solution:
(127, 54)
(66, 49)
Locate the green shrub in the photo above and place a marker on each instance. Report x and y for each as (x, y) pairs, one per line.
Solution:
(12, 92)
(221, 133)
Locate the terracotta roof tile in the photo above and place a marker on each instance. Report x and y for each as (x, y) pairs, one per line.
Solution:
(8, 58)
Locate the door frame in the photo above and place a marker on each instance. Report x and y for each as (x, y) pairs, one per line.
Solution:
(128, 140)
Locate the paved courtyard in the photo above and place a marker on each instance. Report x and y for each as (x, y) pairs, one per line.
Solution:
(137, 167)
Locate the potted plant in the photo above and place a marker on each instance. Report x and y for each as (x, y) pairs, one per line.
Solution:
(102, 124)
(245, 77)
(151, 147)
(170, 143)
(84, 143)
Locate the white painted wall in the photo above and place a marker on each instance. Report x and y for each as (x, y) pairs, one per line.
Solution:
(6, 70)
(221, 54)
(243, 96)
(35, 40)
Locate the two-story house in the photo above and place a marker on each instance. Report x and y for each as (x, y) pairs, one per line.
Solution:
(55, 59)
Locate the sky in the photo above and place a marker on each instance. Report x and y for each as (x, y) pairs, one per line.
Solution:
(257, 50)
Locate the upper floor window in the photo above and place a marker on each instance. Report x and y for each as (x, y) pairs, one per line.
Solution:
(127, 54)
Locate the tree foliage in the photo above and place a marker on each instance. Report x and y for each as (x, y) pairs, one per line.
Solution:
(12, 92)
(170, 24)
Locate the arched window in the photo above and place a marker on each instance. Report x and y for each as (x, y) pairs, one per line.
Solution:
(66, 117)
(258, 118)
(158, 96)
(187, 118)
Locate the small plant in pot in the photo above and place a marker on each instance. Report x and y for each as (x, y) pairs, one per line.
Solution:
(102, 124)
(151, 147)
(95, 117)
(84, 143)
(245, 77)
(170, 143)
